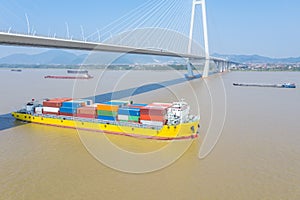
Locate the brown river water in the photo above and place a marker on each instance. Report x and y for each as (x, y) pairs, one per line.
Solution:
(248, 147)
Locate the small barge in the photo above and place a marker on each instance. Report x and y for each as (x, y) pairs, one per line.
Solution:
(284, 85)
(16, 70)
(72, 71)
(85, 76)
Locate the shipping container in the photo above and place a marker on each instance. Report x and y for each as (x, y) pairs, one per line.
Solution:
(153, 117)
(89, 110)
(134, 118)
(73, 104)
(129, 111)
(153, 110)
(107, 118)
(69, 110)
(107, 113)
(123, 117)
(128, 118)
(56, 102)
(50, 109)
(86, 116)
(113, 108)
(38, 110)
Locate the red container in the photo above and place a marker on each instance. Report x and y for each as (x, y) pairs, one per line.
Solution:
(66, 114)
(153, 118)
(61, 99)
(87, 110)
(153, 110)
(56, 102)
(86, 116)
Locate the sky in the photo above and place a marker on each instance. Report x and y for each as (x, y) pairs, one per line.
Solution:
(267, 28)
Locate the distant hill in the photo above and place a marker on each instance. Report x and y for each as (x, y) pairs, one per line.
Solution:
(257, 59)
(60, 57)
(48, 58)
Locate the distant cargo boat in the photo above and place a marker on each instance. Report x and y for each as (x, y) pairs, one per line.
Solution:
(16, 70)
(160, 121)
(284, 85)
(73, 71)
(85, 76)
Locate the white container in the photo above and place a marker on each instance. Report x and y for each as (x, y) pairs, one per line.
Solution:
(38, 110)
(152, 123)
(51, 109)
(123, 117)
(94, 105)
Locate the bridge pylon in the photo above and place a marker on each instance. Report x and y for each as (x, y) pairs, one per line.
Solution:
(205, 34)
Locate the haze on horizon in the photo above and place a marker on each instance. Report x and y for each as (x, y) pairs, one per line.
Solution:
(235, 27)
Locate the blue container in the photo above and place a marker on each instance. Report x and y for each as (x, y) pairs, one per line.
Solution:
(107, 118)
(68, 110)
(72, 104)
(129, 111)
(115, 103)
(139, 104)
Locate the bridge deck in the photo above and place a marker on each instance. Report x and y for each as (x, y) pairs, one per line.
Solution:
(39, 41)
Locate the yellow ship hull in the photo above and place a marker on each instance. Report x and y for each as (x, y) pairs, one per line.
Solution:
(167, 132)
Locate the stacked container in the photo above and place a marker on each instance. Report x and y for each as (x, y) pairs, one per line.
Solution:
(129, 114)
(154, 114)
(109, 110)
(52, 106)
(69, 108)
(89, 111)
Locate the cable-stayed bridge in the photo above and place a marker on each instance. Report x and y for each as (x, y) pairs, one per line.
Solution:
(163, 28)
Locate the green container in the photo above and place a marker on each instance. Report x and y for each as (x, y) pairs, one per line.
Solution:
(134, 118)
(107, 113)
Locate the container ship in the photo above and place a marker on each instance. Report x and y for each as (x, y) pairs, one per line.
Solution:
(161, 121)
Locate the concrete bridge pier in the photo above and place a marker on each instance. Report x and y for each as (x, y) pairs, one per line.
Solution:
(223, 66)
(206, 68)
(190, 67)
